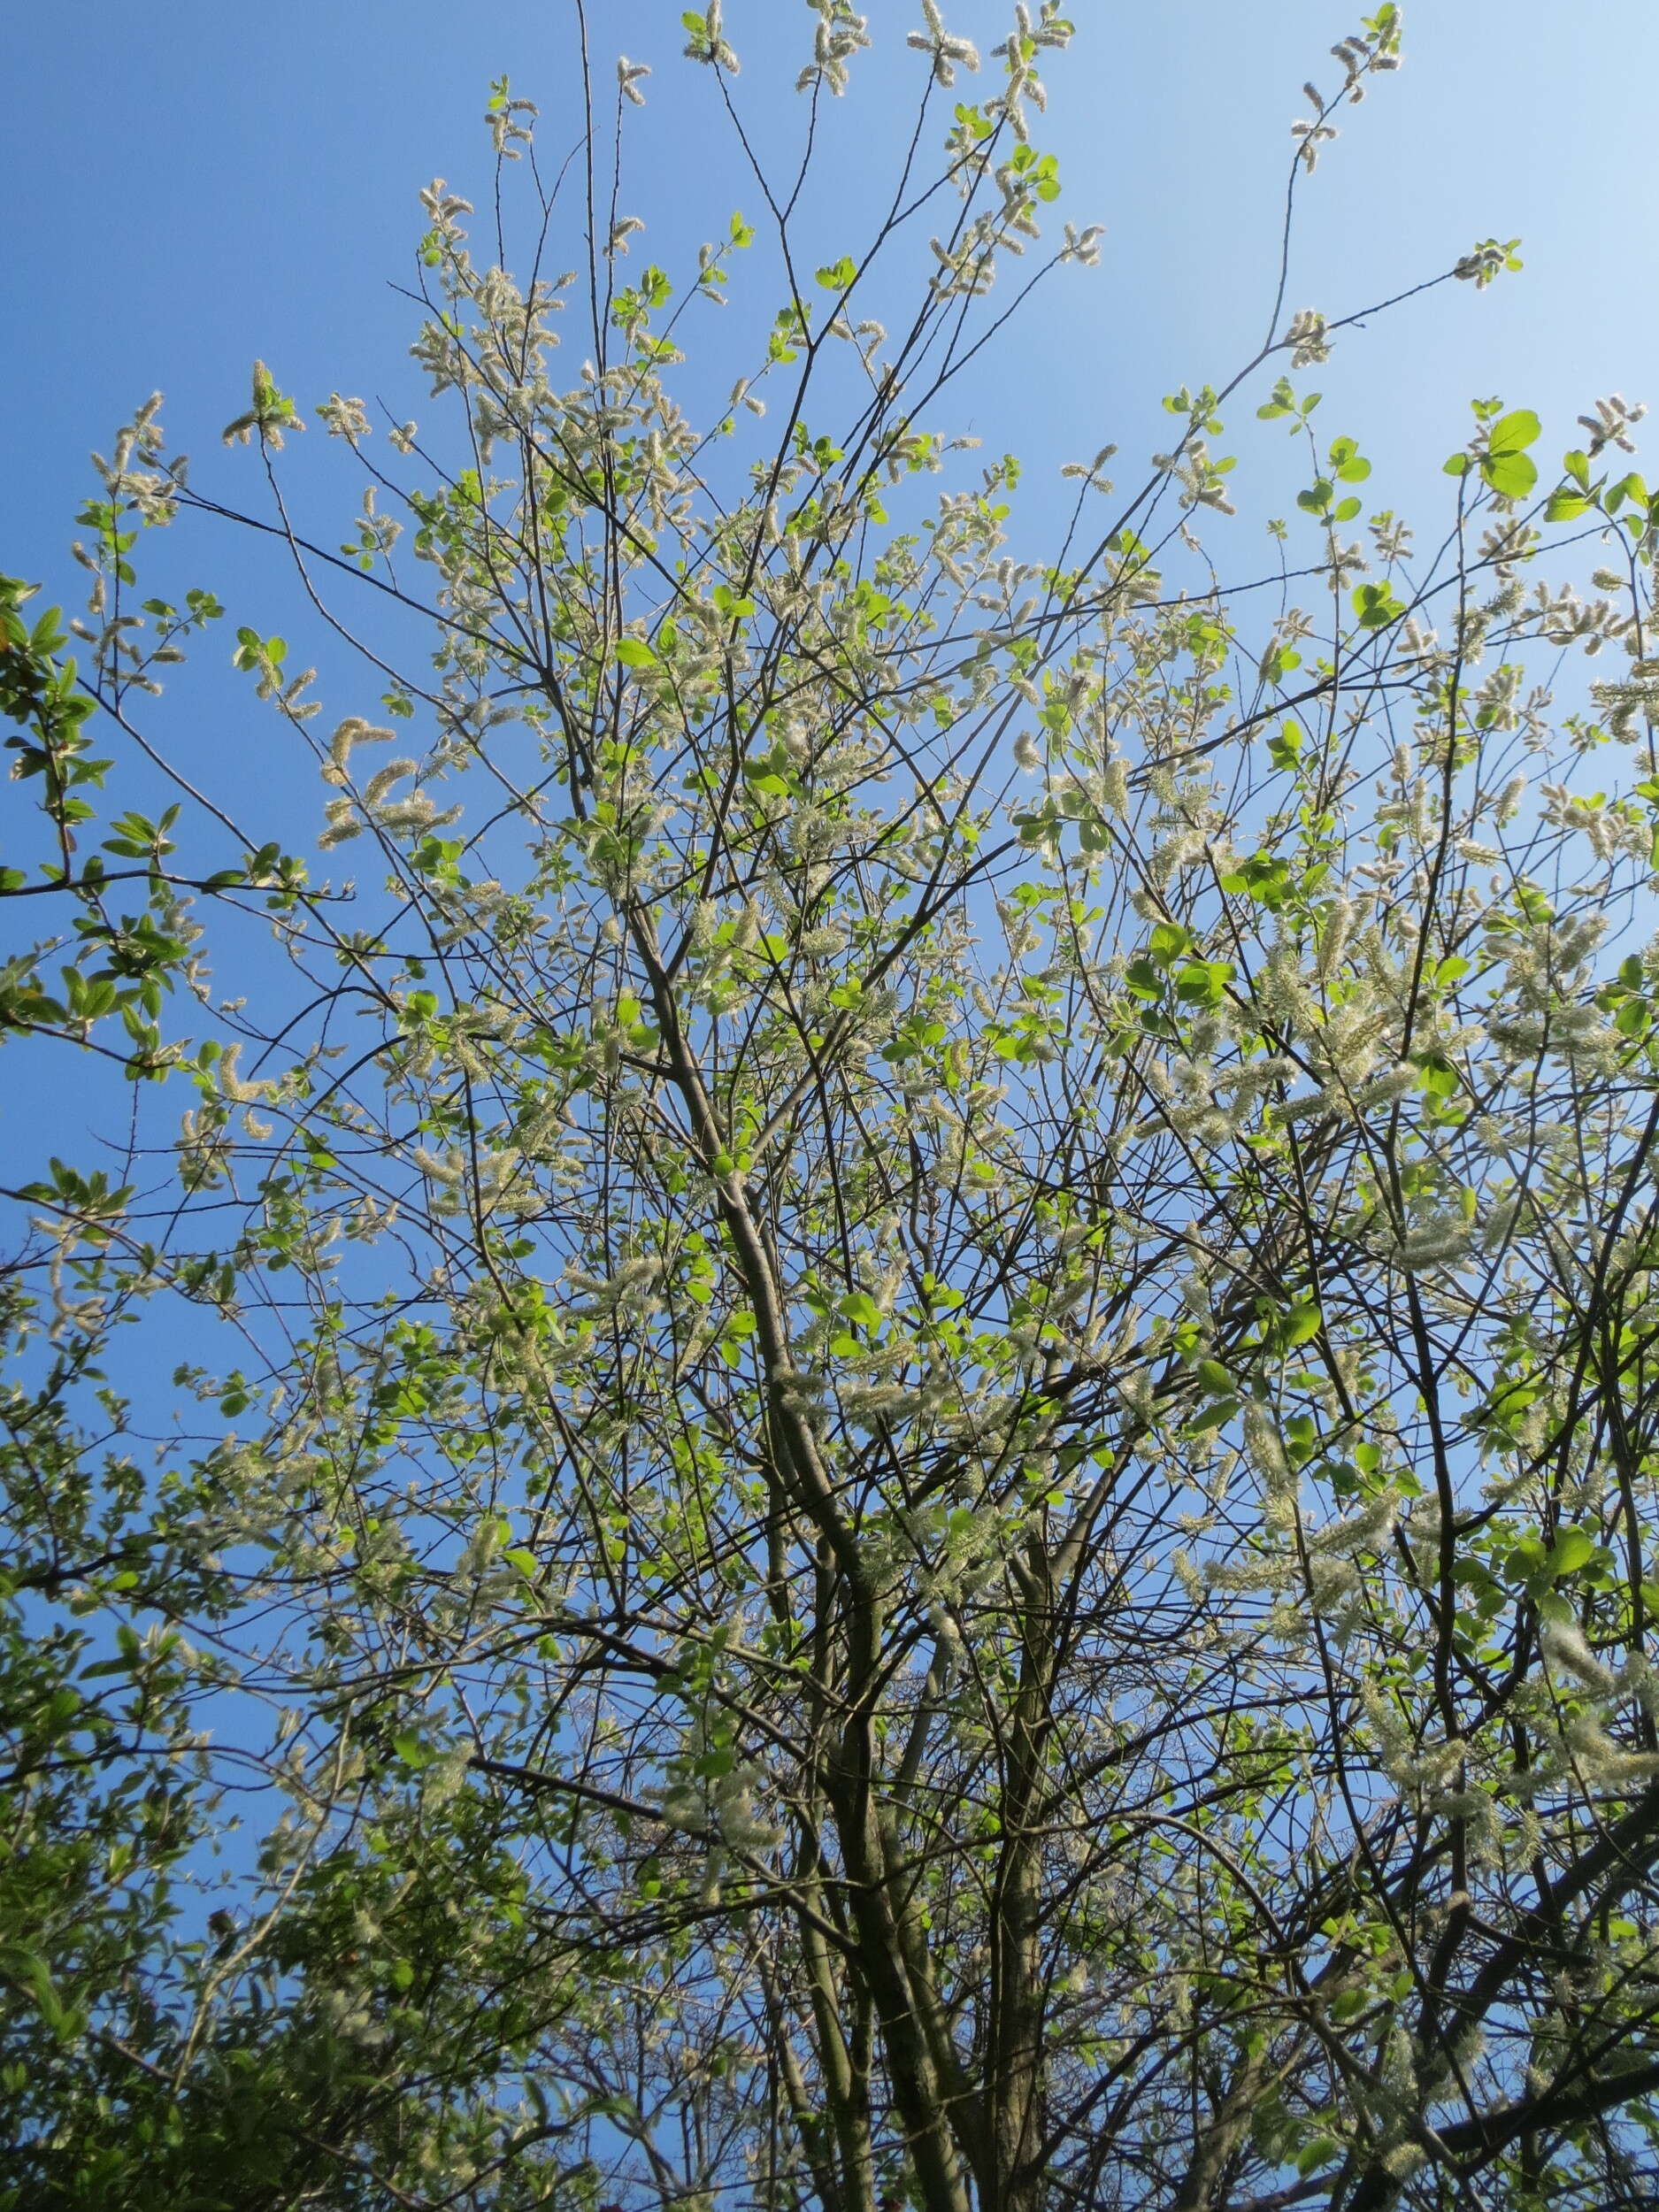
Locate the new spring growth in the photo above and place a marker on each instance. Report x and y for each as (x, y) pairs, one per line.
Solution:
(949, 53)
(501, 121)
(1375, 47)
(1611, 424)
(1307, 337)
(353, 731)
(271, 413)
(838, 36)
(707, 43)
(344, 417)
(1018, 53)
(242, 1094)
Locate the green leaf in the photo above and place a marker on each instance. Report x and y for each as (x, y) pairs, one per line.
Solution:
(1322, 2148)
(1375, 606)
(634, 652)
(1511, 474)
(1437, 1078)
(1630, 487)
(1565, 506)
(1513, 433)
(1282, 402)
(1299, 1325)
(1204, 982)
(1285, 749)
(1572, 1550)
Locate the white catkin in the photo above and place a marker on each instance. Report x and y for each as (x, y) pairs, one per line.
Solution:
(1563, 1644)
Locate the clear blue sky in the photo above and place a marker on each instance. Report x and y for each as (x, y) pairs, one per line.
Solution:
(193, 185)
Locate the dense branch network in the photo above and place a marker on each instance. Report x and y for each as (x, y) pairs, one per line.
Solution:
(927, 1411)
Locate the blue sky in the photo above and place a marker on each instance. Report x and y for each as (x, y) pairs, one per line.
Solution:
(193, 186)
(196, 186)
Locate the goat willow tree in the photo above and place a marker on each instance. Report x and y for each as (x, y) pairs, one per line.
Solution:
(919, 1418)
